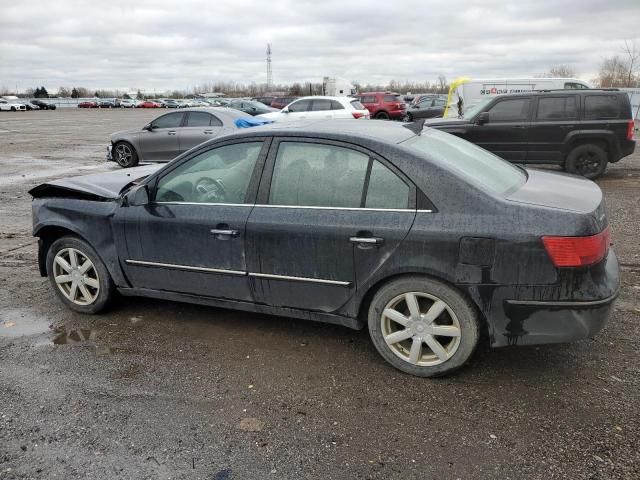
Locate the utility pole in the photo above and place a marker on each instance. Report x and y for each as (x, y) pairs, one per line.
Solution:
(269, 73)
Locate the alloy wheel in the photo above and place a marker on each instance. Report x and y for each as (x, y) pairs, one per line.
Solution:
(420, 329)
(123, 154)
(76, 276)
(588, 162)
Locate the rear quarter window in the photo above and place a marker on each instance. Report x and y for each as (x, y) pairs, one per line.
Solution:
(357, 105)
(392, 98)
(598, 107)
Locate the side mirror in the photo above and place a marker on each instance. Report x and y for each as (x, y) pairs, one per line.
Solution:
(148, 127)
(137, 196)
(285, 110)
(483, 118)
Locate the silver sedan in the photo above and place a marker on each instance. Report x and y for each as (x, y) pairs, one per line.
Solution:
(171, 134)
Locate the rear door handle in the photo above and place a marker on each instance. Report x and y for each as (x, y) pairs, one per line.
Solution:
(171, 132)
(208, 132)
(367, 240)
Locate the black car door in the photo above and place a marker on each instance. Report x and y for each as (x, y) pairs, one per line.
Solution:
(506, 131)
(190, 238)
(317, 230)
(555, 117)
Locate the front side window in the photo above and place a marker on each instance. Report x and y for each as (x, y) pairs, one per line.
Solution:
(300, 106)
(170, 120)
(514, 110)
(220, 175)
(309, 174)
(556, 108)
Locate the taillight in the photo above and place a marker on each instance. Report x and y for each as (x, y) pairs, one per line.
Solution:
(577, 251)
(630, 128)
(357, 115)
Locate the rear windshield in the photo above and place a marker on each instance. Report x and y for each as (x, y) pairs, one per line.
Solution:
(357, 105)
(476, 165)
(393, 98)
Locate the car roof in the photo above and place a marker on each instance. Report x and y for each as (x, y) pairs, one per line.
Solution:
(375, 130)
(563, 91)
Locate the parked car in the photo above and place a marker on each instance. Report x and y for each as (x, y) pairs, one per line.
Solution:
(128, 103)
(319, 107)
(30, 105)
(43, 105)
(171, 103)
(427, 106)
(281, 102)
(88, 104)
(171, 134)
(108, 103)
(264, 100)
(12, 105)
(384, 105)
(252, 108)
(148, 104)
(580, 130)
(353, 223)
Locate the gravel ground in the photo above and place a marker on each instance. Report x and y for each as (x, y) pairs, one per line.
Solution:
(161, 390)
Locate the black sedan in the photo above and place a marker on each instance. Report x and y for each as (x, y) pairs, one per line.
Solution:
(423, 237)
(427, 106)
(43, 105)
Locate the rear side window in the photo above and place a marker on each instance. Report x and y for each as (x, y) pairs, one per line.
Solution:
(320, 105)
(357, 105)
(512, 110)
(386, 189)
(598, 107)
(557, 108)
(368, 99)
(308, 174)
(198, 119)
(392, 98)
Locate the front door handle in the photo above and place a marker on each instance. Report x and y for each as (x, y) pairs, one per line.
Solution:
(208, 132)
(171, 132)
(223, 232)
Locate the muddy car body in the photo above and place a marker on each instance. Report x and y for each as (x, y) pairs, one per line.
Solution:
(414, 241)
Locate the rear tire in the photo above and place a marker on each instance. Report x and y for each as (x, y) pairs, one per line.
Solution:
(78, 276)
(125, 155)
(423, 327)
(588, 160)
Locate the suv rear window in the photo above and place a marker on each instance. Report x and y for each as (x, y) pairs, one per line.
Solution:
(392, 98)
(357, 105)
(597, 107)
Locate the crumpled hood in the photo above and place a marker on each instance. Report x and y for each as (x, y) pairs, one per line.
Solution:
(102, 186)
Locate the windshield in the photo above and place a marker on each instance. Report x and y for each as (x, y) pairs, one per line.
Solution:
(476, 165)
(475, 108)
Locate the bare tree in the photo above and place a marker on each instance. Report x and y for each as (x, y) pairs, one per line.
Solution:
(633, 55)
(561, 71)
(442, 84)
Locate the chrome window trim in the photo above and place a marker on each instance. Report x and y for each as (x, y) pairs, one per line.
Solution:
(307, 207)
(270, 276)
(185, 267)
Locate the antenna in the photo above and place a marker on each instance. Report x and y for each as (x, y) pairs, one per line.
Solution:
(269, 73)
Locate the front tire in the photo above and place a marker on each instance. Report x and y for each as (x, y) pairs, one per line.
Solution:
(125, 155)
(423, 327)
(587, 160)
(78, 276)
(382, 116)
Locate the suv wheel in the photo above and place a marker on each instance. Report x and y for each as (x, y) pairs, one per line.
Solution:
(78, 276)
(125, 155)
(588, 160)
(423, 327)
(382, 116)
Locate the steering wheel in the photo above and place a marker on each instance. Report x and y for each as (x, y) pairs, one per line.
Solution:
(209, 190)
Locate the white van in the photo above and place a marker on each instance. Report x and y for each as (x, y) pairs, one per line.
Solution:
(465, 92)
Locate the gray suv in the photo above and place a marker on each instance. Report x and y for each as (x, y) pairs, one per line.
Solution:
(171, 134)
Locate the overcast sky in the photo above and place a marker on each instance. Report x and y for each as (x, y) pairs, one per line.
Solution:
(162, 44)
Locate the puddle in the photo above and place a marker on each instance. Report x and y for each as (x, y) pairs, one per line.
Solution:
(20, 323)
(81, 335)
